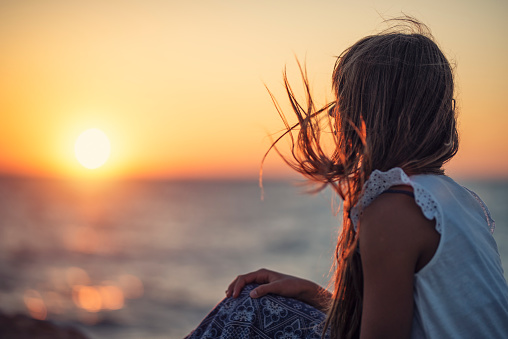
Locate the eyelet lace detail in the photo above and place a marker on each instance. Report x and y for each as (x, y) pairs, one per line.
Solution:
(379, 182)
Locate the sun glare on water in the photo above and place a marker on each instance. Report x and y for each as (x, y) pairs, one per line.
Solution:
(92, 148)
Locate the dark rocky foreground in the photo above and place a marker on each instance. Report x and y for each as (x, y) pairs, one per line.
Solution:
(21, 327)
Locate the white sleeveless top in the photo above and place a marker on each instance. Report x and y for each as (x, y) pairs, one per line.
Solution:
(461, 292)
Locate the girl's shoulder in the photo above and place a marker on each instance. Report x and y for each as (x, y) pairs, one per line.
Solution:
(394, 223)
(423, 188)
(396, 215)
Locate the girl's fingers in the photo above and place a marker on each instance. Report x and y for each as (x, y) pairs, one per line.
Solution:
(241, 281)
(235, 287)
(229, 290)
(231, 287)
(261, 277)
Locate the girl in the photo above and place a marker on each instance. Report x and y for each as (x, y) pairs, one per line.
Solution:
(415, 257)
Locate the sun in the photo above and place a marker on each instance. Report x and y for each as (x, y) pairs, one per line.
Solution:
(92, 148)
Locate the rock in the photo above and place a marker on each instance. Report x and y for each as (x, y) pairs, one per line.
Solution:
(21, 326)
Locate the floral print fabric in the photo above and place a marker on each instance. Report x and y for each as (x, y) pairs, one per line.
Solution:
(270, 316)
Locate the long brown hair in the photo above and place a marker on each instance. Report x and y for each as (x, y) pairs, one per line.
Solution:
(394, 107)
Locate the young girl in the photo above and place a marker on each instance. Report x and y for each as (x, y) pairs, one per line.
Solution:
(415, 257)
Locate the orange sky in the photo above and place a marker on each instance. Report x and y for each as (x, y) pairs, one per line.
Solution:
(178, 85)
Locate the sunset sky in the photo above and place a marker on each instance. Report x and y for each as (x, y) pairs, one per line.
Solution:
(178, 86)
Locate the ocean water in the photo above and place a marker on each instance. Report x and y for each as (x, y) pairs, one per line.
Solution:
(150, 259)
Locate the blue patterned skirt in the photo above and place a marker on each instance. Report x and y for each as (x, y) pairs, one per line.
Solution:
(270, 316)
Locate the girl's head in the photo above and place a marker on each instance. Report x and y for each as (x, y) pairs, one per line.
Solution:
(395, 105)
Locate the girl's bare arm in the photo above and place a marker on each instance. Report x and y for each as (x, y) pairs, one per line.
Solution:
(396, 240)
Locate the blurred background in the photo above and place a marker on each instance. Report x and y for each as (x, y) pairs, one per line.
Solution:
(138, 232)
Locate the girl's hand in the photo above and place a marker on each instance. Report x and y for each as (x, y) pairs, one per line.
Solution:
(283, 285)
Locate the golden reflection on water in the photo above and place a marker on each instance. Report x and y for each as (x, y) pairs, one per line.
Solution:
(112, 297)
(87, 298)
(72, 290)
(77, 223)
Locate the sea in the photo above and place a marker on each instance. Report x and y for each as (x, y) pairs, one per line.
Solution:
(149, 259)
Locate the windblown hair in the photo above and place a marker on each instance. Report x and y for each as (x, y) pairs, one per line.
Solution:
(394, 108)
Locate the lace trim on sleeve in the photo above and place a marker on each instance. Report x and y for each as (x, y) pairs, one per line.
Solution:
(381, 181)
